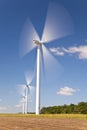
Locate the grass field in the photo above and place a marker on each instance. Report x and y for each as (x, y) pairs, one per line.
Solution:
(43, 122)
(69, 116)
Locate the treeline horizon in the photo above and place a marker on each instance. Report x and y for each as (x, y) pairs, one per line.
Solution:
(80, 108)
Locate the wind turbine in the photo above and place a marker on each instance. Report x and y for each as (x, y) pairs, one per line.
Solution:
(29, 78)
(26, 89)
(58, 24)
(29, 88)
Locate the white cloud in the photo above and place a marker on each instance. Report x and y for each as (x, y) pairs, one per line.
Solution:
(67, 91)
(18, 105)
(57, 51)
(21, 102)
(80, 51)
(3, 108)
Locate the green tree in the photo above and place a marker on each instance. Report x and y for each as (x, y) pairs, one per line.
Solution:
(82, 107)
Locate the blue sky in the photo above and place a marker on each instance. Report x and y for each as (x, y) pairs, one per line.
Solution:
(69, 51)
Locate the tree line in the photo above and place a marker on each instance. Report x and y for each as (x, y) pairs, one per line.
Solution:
(80, 108)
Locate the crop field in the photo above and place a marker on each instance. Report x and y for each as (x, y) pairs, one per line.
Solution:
(43, 122)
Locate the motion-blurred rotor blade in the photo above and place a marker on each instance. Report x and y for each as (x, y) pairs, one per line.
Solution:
(58, 23)
(29, 75)
(31, 87)
(52, 67)
(27, 36)
(30, 91)
(21, 89)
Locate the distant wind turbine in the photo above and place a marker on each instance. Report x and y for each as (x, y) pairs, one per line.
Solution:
(26, 89)
(58, 24)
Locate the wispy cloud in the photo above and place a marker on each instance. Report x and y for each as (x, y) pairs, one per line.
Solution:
(21, 102)
(79, 51)
(57, 51)
(18, 105)
(3, 108)
(67, 91)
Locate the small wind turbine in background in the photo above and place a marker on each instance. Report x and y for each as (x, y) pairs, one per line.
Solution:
(26, 90)
(58, 24)
(23, 104)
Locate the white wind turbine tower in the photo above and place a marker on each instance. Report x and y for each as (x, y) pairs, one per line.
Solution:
(22, 92)
(23, 103)
(24, 97)
(28, 90)
(58, 24)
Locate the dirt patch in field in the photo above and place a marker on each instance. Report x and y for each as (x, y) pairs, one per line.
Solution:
(33, 123)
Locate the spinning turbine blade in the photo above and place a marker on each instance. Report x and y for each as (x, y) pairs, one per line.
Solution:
(29, 77)
(31, 87)
(27, 36)
(58, 23)
(21, 89)
(52, 68)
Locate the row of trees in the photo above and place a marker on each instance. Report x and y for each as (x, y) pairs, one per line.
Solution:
(80, 108)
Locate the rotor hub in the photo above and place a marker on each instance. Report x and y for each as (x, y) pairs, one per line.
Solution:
(27, 85)
(38, 43)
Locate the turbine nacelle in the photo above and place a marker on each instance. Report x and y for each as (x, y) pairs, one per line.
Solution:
(27, 85)
(24, 97)
(38, 43)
